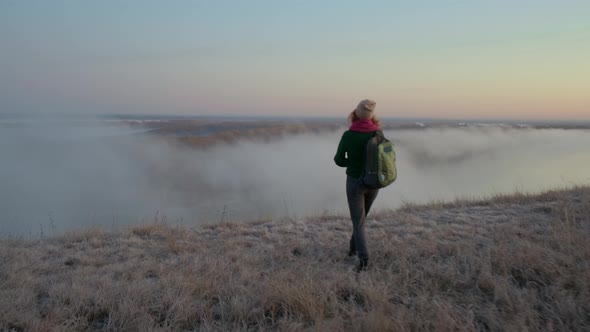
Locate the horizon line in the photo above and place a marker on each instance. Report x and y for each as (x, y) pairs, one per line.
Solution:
(123, 116)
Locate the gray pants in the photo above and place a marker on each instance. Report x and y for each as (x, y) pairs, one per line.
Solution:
(360, 199)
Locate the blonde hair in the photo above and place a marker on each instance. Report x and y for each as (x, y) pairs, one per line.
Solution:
(352, 117)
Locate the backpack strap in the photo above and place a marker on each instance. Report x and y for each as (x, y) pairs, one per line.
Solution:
(379, 134)
(368, 163)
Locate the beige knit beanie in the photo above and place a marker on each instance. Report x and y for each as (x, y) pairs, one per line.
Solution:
(365, 109)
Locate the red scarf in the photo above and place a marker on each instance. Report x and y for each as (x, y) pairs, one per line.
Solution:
(364, 126)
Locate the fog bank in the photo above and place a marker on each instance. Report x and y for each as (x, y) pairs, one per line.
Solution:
(56, 178)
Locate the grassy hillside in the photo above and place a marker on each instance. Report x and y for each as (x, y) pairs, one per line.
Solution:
(508, 263)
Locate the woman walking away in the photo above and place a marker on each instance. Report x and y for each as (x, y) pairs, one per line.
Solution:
(351, 154)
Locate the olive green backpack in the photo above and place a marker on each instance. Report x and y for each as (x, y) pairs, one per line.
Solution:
(380, 169)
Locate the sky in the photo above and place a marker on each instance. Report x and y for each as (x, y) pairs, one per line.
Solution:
(443, 59)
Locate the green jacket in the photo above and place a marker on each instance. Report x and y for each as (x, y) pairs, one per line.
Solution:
(351, 152)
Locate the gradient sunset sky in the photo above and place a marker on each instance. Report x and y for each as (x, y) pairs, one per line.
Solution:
(461, 59)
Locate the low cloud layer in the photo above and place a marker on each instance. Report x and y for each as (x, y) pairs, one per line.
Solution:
(59, 177)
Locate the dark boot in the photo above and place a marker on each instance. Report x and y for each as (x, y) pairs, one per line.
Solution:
(362, 265)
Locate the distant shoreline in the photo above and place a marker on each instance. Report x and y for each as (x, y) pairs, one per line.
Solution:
(388, 122)
(124, 116)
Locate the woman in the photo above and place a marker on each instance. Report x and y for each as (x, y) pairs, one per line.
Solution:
(351, 154)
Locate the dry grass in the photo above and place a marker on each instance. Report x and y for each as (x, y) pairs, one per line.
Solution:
(509, 263)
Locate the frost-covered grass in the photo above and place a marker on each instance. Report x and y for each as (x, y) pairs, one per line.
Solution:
(519, 262)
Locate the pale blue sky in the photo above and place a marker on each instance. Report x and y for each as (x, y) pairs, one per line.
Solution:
(526, 59)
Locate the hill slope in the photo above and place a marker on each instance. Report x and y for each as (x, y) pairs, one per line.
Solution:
(510, 262)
